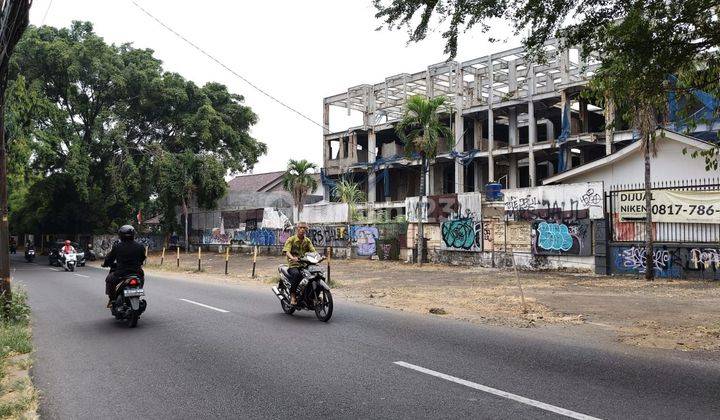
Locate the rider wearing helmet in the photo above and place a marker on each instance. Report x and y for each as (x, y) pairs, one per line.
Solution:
(128, 256)
(68, 248)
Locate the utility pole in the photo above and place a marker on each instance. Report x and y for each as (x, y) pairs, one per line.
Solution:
(14, 17)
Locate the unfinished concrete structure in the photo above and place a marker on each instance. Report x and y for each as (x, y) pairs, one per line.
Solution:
(514, 121)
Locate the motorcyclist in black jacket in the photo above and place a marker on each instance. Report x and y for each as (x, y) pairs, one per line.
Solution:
(128, 256)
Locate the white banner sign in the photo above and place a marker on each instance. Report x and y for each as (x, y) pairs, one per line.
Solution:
(670, 206)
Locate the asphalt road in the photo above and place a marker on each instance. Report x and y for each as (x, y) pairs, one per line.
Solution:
(190, 361)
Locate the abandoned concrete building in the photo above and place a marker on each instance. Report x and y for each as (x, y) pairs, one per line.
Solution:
(514, 122)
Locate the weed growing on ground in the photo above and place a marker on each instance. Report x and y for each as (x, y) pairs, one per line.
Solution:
(18, 396)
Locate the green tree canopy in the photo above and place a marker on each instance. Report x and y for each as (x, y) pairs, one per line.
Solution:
(107, 118)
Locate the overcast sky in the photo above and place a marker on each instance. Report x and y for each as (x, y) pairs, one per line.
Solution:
(298, 51)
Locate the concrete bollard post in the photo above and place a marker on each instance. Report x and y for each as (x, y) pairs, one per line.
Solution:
(199, 258)
(255, 251)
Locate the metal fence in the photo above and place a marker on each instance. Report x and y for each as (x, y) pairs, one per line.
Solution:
(680, 233)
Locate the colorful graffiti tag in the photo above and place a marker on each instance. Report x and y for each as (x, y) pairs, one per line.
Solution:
(552, 238)
(673, 262)
(462, 235)
(364, 238)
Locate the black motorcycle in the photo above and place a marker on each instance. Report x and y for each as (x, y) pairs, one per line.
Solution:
(29, 254)
(54, 257)
(90, 253)
(129, 301)
(313, 294)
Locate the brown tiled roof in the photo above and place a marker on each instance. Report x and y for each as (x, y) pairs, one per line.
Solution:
(254, 182)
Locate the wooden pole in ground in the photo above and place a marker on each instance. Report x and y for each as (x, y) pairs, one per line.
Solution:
(227, 257)
(329, 254)
(517, 278)
(199, 258)
(254, 260)
(178, 256)
(146, 251)
(162, 257)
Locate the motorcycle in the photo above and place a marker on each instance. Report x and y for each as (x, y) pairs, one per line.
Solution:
(68, 261)
(130, 301)
(90, 253)
(313, 294)
(29, 255)
(54, 257)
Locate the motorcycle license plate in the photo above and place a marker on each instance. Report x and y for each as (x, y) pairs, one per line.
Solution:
(134, 292)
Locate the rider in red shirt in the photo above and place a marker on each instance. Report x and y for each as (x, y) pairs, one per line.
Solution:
(68, 248)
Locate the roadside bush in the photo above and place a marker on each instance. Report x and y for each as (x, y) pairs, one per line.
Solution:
(17, 311)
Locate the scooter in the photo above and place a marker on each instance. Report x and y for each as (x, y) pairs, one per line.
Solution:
(30, 255)
(68, 261)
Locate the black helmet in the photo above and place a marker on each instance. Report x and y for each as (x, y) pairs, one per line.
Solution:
(126, 233)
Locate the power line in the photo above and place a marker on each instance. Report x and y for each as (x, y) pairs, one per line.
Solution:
(46, 12)
(211, 57)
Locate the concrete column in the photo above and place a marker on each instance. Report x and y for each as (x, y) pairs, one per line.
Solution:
(326, 118)
(512, 127)
(491, 122)
(584, 122)
(532, 139)
(513, 171)
(459, 147)
(479, 177)
(549, 130)
(491, 145)
(343, 148)
(431, 188)
(477, 135)
(609, 124)
(372, 151)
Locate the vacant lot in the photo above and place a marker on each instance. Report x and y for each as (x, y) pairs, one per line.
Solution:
(671, 315)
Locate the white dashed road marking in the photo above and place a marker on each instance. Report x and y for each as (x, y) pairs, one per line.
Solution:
(205, 306)
(499, 393)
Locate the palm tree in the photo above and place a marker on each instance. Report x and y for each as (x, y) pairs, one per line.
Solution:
(299, 180)
(421, 130)
(349, 192)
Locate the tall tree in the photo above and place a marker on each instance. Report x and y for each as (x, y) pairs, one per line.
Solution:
(421, 130)
(14, 17)
(187, 178)
(643, 43)
(104, 116)
(299, 181)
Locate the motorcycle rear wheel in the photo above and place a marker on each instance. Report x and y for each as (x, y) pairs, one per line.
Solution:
(324, 310)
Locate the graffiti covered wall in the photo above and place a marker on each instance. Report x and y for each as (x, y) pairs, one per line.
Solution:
(571, 237)
(556, 202)
(462, 235)
(668, 261)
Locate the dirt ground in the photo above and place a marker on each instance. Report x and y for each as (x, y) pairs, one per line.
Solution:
(682, 315)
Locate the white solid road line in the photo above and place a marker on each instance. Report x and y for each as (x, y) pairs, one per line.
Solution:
(499, 393)
(205, 306)
(80, 275)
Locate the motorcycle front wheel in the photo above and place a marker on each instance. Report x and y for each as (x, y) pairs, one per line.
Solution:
(133, 319)
(324, 305)
(286, 307)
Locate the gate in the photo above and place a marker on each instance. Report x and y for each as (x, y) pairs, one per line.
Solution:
(681, 250)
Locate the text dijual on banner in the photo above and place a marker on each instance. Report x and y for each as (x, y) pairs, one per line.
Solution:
(671, 206)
